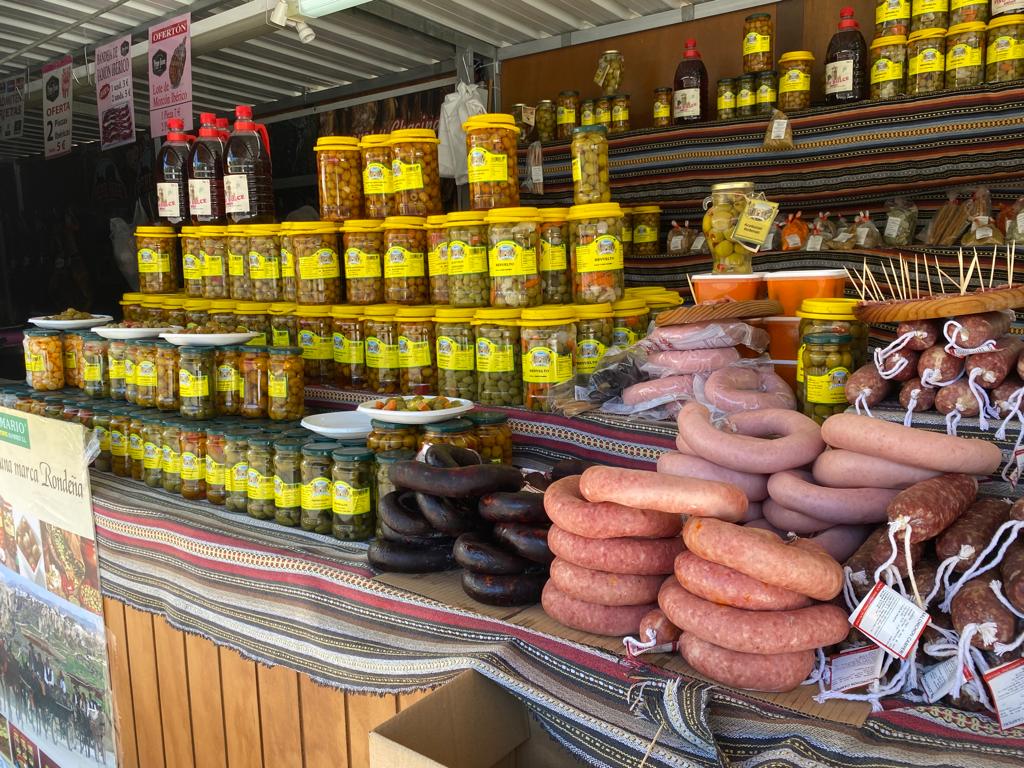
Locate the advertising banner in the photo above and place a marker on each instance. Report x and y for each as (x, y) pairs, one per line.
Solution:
(57, 107)
(115, 106)
(12, 107)
(170, 73)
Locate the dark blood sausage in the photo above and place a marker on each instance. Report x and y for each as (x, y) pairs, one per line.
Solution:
(569, 467)
(403, 558)
(517, 589)
(399, 511)
(926, 333)
(665, 632)
(866, 378)
(538, 480)
(603, 587)
(907, 372)
(518, 507)
(455, 483)
(976, 603)
(443, 515)
(434, 537)
(1001, 395)
(621, 555)
(775, 672)
(529, 541)
(931, 506)
(925, 395)
(1012, 571)
(475, 554)
(616, 621)
(996, 365)
(441, 455)
(945, 366)
(975, 528)
(975, 330)
(957, 397)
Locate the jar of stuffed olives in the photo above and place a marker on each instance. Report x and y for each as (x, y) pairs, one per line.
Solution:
(546, 120)
(926, 61)
(353, 497)
(236, 469)
(631, 320)
(116, 351)
(646, 226)
(340, 175)
(382, 372)
(384, 460)
(157, 252)
(385, 436)
(459, 433)
(378, 189)
(197, 312)
(566, 114)
(135, 445)
(767, 85)
(513, 236)
(491, 161)
(415, 174)
(1004, 60)
(252, 385)
(120, 430)
(348, 347)
(661, 112)
(315, 249)
(174, 311)
(892, 17)
(555, 272)
(144, 368)
(417, 369)
(216, 474)
(967, 11)
(888, 60)
(405, 268)
(757, 43)
(228, 397)
(456, 359)
(548, 347)
(193, 462)
(364, 245)
(260, 477)
(498, 357)
(101, 427)
(795, 68)
(589, 152)
(494, 436)
(746, 96)
(468, 280)
(314, 330)
(213, 261)
(827, 362)
(191, 262)
(265, 261)
(95, 371)
(597, 264)
(288, 482)
(314, 501)
(196, 382)
(965, 55)
(170, 455)
(131, 306)
(237, 246)
(283, 325)
(437, 259)
(152, 452)
(167, 376)
(286, 393)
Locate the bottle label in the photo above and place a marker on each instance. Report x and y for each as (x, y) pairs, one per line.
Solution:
(34, 362)
(316, 494)
(277, 385)
(347, 351)
(168, 200)
(884, 70)
(215, 474)
(587, 116)
(602, 255)
(135, 447)
(686, 103)
(494, 358)
(151, 455)
(662, 110)
(465, 259)
(360, 264)
(145, 374)
(192, 266)
(287, 495)
(322, 265)
(259, 487)
(567, 116)
(199, 201)
(927, 60)
(552, 257)
(406, 176)
(153, 262)
(962, 55)
(401, 262)
(839, 77)
(170, 460)
(118, 443)
(645, 234)
(315, 347)
(227, 378)
(452, 356)
(287, 263)
(236, 193)
(191, 385)
(588, 354)
(347, 500)
(542, 365)
(484, 166)
(92, 372)
(746, 98)
(193, 467)
(236, 264)
(766, 95)
(620, 113)
(624, 336)
(1005, 48)
(263, 267)
(827, 388)
(413, 354)
(755, 43)
(921, 7)
(437, 260)
(377, 179)
(892, 10)
(129, 372)
(116, 369)
(794, 80)
(103, 435)
(603, 115)
(509, 259)
(237, 478)
(212, 264)
(379, 354)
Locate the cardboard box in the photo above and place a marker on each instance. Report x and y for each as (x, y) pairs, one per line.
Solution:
(468, 723)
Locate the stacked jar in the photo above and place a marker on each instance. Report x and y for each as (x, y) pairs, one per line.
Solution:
(468, 280)
(339, 171)
(239, 283)
(95, 370)
(567, 114)
(726, 98)
(1004, 60)
(289, 277)
(555, 270)
(631, 320)
(157, 252)
(253, 363)
(353, 494)
(315, 339)
(286, 394)
(597, 264)
(265, 261)
(926, 61)
(892, 17)
(283, 325)
(493, 435)
(498, 357)
(589, 152)
(548, 348)
(492, 162)
(167, 378)
(197, 312)
(594, 335)
(661, 112)
(191, 262)
(197, 381)
(456, 359)
(348, 347)
(646, 225)
(415, 173)
(315, 249)
(253, 317)
(965, 55)
(378, 188)
(795, 80)
(546, 121)
(228, 395)
(513, 239)
(71, 344)
(131, 306)
(44, 359)
(417, 371)
(382, 372)
(437, 258)
(363, 241)
(213, 260)
(887, 60)
(174, 310)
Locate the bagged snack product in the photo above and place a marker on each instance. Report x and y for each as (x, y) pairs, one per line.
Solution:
(901, 222)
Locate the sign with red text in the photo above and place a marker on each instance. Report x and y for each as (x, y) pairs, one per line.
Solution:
(57, 107)
(12, 107)
(170, 73)
(115, 106)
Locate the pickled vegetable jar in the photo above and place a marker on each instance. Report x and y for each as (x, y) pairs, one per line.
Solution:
(197, 312)
(728, 200)
(589, 151)
(288, 483)
(283, 325)
(174, 310)
(101, 427)
(348, 347)
(827, 362)
(437, 258)
(196, 382)
(145, 374)
(385, 436)
(498, 357)
(631, 320)
(286, 394)
(833, 316)
(965, 55)
(157, 252)
(513, 236)
(597, 265)
(314, 326)
(888, 59)
(555, 269)
(661, 113)
(646, 225)
(757, 43)
(746, 96)
(1005, 59)
(494, 436)
(131, 354)
(567, 114)
(213, 260)
(260, 477)
(339, 170)
(594, 334)
(417, 370)
(491, 161)
(116, 368)
(167, 376)
(239, 282)
(384, 460)
(289, 277)
(405, 264)
(378, 190)
(152, 452)
(926, 61)
(71, 346)
(767, 91)
(228, 397)
(610, 69)
(315, 246)
(459, 433)
(95, 372)
(382, 374)
(120, 461)
(620, 113)
(236, 470)
(456, 358)
(222, 312)
(603, 112)
(254, 318)
(191, 262)
(548, 347)
(967, 11)
(131, 304)
(929, 14)
(546, 119)
(252, 384)
(136, 448)
(795, 80)
(892, 17)
(308, 466)
(588, 112)
(468, 280)
(265, 261)
(415, 172)
(726, 98)
(216, 474)
(353, 500)
(193, 462)
(152, 312)
(364, 245)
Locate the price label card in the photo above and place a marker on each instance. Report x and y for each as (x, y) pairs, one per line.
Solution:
(1006, 682)
(937, 680)
(814, 243)
(856, 668)
(890, 620)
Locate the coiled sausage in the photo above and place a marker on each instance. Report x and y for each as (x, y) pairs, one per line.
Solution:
(726, 586)
(750, 671)
(567, 509)
(616, 621)
(837, 468)
(625, 555)
(604, 587)
(665, 493)
(755, 487)
(839, 506)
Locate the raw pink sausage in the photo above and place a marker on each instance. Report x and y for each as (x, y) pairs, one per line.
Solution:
(755, 511)
(625, 555)
(616, 621)
(915, 447)
(665, 493)
(925, 396)
(749, 671)
(665, 631)
(677, 387)
(681, 465)
(691, 361)
(748, 388)
(568, 509)
(837, 468)
(866, 379)
(762, 524)
(841, 541)
(997, 364)
(603, 587)
(765, 557)
(763, 632)
(726, 586)
(714, 334)
(838, 506)
(791, 521)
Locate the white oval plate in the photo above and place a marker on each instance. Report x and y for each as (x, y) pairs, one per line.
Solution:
(339, 424)
(416, 417)
(70, 325)
(207, 339)
(126, 334)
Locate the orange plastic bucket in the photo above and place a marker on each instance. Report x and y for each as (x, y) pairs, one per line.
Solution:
(792, 287)
(710, 286)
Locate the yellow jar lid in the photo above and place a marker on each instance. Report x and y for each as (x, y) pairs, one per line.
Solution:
(550, 315)
(336, 142)
(512, 215)
(646, 209)
(827, 309)
(424, 311)
(192, 305)
(313, 227)
(465, 218)
(436, 222)
(132, 297)
(174, 301)
(383, 311)
(554, 214)
(1002, 21)
(155, 231)
(490, 120)
(211, 231)
(346, 310)
(188, 232)
(923, 34)
(878, 42)
(288, 226)
(281, 308)
(442, 314)
(644, 290)
(663, 300)
(593, 311)
(236, 229)
(497, 315)
(153, 302)
(315, 311)
(262, 229)
(363, 225)
(251, 307)
(374, 140)
(595, 210)
(405, 222)
(227, 305)
(967, 26)
(414, 135)
(796, 56)
(628, 306)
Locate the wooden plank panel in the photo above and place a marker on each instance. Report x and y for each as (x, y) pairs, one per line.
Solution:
(175, 714)
(324, 742)
(279, 717)
(364, 713)
(241, 711)
(206, 703)
(145, 688)
(121, 684)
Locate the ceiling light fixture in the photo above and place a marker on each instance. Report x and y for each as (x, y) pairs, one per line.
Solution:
(317, 8)
(305, 32)
(279, 16)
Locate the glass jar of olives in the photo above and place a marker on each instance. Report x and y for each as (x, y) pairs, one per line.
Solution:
(364, 245)
(378, 191)
(196, 382)
(95, 371)
(437, 259)
(493, 435)
(288, 482)
(253, 318)
(646, 228)
(145, 374)
(620, 113)
(468, 280)
(260, 477)
(315, 339)
(348, 347)
(157, 252)
(170, 455)
(965, 55)
(120, 430)
(405, 268)
(498, 357)
(631, 320)
(213, 260)
(286, 393)
(222, 312)
(456, 359)
(546, 120)
(827, 362)
(228, 397)
(236, 470)
(193, 462)
(1004, 59)
(384, 460)
(167, 376)
(661, 113)
(315, 249)
(101, 427)
(174, 311)
(239, 282)
(340, 174)
(588, 112)
(795, 69)
(417, 370)
(513, 236)
(385, 436)
(929, 14)
(216, 474)
(315, 489)
(152, 452)
(191, 262)
(548, 347)
(597, 264)
(252, 384)
(353, 497)
(567, 113)
(555, 271)
(283, 325)
(459, 433)
(265, 261)
(589, 150)
(746, 96)
(197, 312)
(131, 306)
(116, 351)
(767, 91)
(382, 372)
(757, 43)
(888, 64)
(926, 61)
(492, 162)
(594, 328)
(833, 316)
(728, 200)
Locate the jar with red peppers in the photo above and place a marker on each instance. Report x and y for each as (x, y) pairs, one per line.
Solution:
(340, 175)
(378, 190)
(415, 174)
(348, 345)
(437, 259)
(364, 246)
(492, 161)
(418, 372)
(405, 268)
(316, 341)
(382, 372)
(192, 442)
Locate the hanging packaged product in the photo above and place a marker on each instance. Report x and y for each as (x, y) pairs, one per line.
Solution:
(901, 223)
(795, 233)
(778, 135)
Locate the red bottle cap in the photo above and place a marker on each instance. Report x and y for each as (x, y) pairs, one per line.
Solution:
(846, 19)
(207, 118)
(691, 51)
(176, 130)
(243, 112)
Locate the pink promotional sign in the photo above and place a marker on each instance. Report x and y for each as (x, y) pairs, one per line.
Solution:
(57, 107)
(114, 102)
(170, 73)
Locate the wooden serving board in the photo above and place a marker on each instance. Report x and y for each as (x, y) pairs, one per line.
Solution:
(726, 310)
(939, 306)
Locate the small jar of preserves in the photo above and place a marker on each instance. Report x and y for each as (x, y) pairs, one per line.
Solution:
(795, 80)
(646, 228)
(44, 359)
(468, 280)
(265, 261)
(152, 452)
(167, 376)
(892, 17)
(316, 341)
(437, 259)
(548, 347)
(620, 113)
(136, 448)
(339, 170)
(191, 262)
(513, 237)
(603, 112)
(456, 357)
(260, 477)
(348, 345)
(236, 470)
(965, 55)
(555, 272)
(174, 311)
(378, 189)
(228, 398)
(661, 114)
(95, 370)
(286, 392)
(888, 60)
(131, 355)
(101, 427)
(213, 261)
(216, 475)
(417, 370)
(567, 113)
(283, 324)
(1004, 61)
(353, 500)
(767, 84)
(493, 435)
(588, 112)
(120, 431)
(405, 263)
(967, 12)
(757, 43)
(152, 313)
(157, 252)
(589, 151)
(170, 455)
(145, 374)
(491, 161)
(498, 357)
(197, 312)
(315, 247)
(610, 69)
(239, 282)
(926, 61)
(929, 14)
(131, 306)
(314, 513)
(597, 264)
(415, 172)
(116, 350)
(384, 460)
(459, 433)
(222, 312)
(196, 382)
(288, 482)
(252, 371)
(631, 320)
(546, 119)
(364, 248)
(253, 317)
(833, 316)
(382, 373)
(746, 96)
(827, 363)
(385, 436)
(71, 344)
(594, 335)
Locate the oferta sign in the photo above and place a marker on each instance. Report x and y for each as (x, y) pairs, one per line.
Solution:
(14, 430)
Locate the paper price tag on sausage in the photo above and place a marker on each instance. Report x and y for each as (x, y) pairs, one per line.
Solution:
(1006, 682)
(938, 680)
(890, 620)
(856, 668)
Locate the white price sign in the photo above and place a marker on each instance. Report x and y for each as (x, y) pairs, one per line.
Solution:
(890, 620)
(57, 107)
(1006, 682)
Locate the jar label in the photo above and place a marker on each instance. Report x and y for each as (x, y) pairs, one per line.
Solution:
(191, 266)
(508, 259)
(1000, 6)
(379, 354)
(168, 200)
(566, 116)
(466, 259)
(151, 455)
(643, 233)
(542, 365)
(346, 350)
(602, 255)
(118, 443)
(377, 179)
(602, 115)
(70, 359)
(552, 257)
(103, 435)
(406, 176)
(321, 265)
(839, 76)
(828, 388)
(756, 43)
(413, 354)
(170, 461)
(627, 231)
(587, 117)
(129, 372)
(347, 500)
(287, 495)
(794, 80)
(227, 378)
(437, 261)
(316, 494)
(484, 166)
(452, 356)
(287, 263)
(892, 10)
(212, 264)
(494, 358)
(277, 385)
(191, 385)
(236, 264)
(115, 369)
(662, 110)
(962, 55)
(921, 7)
(746, 98)
(624, 336)
(281, 338)
(686, 103)
(927, 60)
(258, 487)
(401, 262)
(193, 467)
(145, 374)
(35, 362)
(620, 113)
(215, 474)
(236, 193)
(361, 264)
(199, 203)
(577, 170)
(237, 477)
(588, 354)
(315, 347)
(263, 267)
(135, 448)
(153, 262)
(1005, 48)
(766, 95)
(884, 70)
